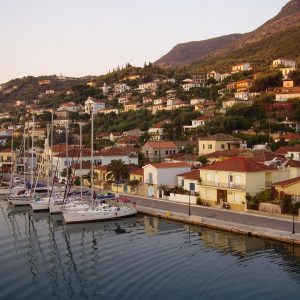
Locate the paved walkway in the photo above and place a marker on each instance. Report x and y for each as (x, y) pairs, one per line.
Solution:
(242, 218)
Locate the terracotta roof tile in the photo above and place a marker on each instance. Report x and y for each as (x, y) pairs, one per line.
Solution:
(161, 145)
(193, 175)
(238, 164)
(220, 137)
(139, 171)
(288, 182)
(170, 165)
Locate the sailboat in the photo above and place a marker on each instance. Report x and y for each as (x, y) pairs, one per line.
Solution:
(96, 212)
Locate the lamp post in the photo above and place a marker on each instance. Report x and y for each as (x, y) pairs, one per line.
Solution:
(293, 211)
(189, 203)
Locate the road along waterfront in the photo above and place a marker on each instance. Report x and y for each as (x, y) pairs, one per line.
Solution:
(243, 223)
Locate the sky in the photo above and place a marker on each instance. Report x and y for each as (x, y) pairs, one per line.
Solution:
(91, 37)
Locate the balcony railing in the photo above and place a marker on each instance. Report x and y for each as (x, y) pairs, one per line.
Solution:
(230, 185)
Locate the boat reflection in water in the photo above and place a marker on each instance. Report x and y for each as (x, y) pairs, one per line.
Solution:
(138, 258)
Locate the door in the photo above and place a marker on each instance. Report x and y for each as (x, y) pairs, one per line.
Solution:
(221, 196)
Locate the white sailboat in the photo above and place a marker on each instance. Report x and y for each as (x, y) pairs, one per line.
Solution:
(96, 212)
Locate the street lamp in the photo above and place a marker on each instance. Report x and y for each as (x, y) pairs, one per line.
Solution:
(189, 203)
(293, 211)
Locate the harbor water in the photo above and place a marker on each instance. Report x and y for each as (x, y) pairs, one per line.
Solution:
(138, 258)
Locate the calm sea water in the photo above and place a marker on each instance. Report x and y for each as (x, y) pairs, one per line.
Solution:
(138, 258)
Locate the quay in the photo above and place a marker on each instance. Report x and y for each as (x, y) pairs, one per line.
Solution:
(250, 224)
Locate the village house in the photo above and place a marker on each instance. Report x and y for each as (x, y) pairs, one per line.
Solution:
(218, 142)
(292, 124)
(107, 111)
(215, 75)
(121, 88)
(200, 121)
(44, 82)
(286, 72)
(156, 131)
(157, 151)
(147, 100)
(191, 85)
(284, 94)
(69, 106)
(162, 174)
(149, 86)
(288, 189)
(229, 181)
(93, 105)
(85, 169)
(189, 181)
(7, 157)
(61, 123)
(132, 106)
(221, 155)
(127, 155)
(235, 101)
(189, 158)
(283, 62)
(292, 152)
(241, 67)
(159, 101)
(137, 174)
(199, 79)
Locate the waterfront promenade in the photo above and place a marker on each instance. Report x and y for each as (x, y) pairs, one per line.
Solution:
(240, 222)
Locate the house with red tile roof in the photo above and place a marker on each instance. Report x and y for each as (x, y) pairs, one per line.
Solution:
(292, 152)
(157, 151)
(189, 181)
(229, 181)
(158, 174)
(217, 142)
(288, 189)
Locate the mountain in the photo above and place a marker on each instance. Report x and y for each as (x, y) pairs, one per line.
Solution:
(186, 53)
(223, 47)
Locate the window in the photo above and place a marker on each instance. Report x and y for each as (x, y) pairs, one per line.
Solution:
(155, 152)
(182, 182)
(192, 186)
(209, 146)
(167, 152)
(230, 178)
(222, 146)
(203, 146)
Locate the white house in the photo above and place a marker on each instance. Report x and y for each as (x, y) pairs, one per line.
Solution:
(121, 88)
(156, 131)
(189, 181)
(196, 123)
(164, 173)
(241, 67)
(286, 71)
(188, 86)
(287, 93)
(284, 62)
(69, 106)
(127, 156)
(215, 75)
(149, 86)
(93, 105)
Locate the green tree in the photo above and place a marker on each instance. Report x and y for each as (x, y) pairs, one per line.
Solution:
(118, 170)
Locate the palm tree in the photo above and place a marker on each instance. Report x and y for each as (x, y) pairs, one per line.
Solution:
(118, 170)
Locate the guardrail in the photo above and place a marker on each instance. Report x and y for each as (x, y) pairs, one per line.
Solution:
(224, 185)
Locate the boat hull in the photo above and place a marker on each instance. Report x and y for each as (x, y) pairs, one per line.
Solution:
(39, 205)
(19, 202)
(96, 216)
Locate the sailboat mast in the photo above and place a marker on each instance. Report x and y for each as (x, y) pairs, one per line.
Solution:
(80, 135)
(24, 155)
(67, 154)
(92, 158)
(32, 147)
(12, 156)
(47, 160)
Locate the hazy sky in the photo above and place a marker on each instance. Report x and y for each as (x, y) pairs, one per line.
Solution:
(89, 37)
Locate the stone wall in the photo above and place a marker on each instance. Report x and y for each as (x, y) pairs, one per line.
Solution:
(270, 208)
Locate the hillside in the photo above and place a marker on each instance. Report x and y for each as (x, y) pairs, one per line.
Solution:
(186, 53)
(260, 54)
(288, 18)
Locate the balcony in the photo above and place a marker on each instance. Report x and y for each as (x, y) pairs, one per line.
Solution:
(228, 185)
